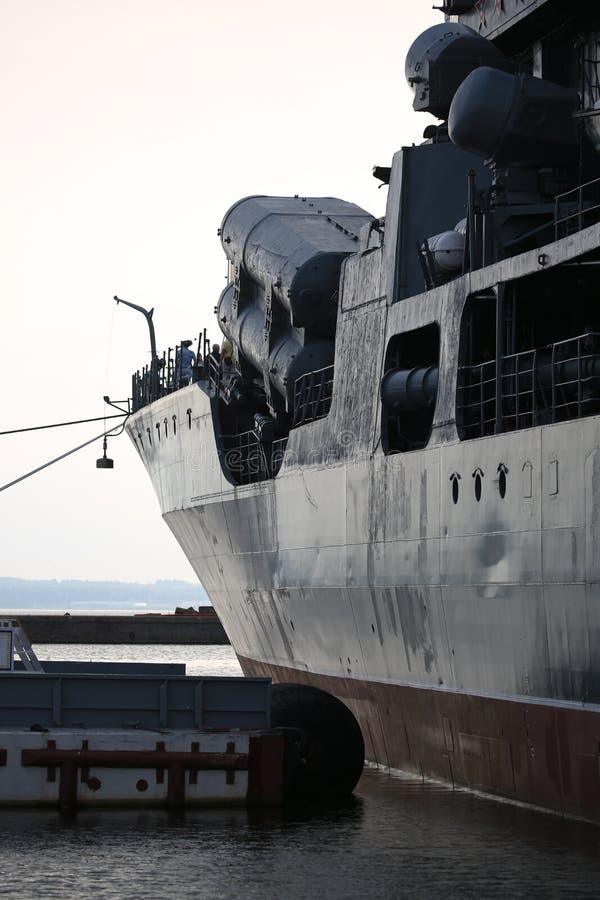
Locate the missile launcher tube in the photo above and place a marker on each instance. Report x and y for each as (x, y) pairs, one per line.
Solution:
(287, 357)
(406, 390)
(288, 252)
(294, 247)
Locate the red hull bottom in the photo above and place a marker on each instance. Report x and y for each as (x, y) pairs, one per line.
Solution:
(530, 752)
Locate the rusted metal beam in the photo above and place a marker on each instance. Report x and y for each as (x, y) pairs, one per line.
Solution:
(134, 759)
(264, 763)
(266, 769)
(177, 763)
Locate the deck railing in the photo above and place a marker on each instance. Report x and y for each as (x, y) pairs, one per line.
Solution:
(312, 396)
(146, 387)
(248, 459)
(475, 399)
(577, 208)
(550, 384)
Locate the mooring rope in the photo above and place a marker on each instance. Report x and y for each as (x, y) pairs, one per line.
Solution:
(51, 462)
(60, 424)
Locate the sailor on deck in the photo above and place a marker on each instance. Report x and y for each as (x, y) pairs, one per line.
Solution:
(184, 360)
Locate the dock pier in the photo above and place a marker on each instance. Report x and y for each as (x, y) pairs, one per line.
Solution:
(71, 628)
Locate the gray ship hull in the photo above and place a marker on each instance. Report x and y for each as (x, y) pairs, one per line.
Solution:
(462, 631)
(425, 542)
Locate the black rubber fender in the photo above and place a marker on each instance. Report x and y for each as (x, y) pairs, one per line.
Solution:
(329, 752)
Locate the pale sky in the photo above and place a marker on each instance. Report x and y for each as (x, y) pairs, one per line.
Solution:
(129, 127)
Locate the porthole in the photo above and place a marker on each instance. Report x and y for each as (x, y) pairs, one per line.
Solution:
(478, 475)
(502, 470)
(455, 478)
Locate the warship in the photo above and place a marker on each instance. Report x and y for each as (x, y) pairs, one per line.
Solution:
(389, 482)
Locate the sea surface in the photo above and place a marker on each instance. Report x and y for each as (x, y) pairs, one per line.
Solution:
(396, 838)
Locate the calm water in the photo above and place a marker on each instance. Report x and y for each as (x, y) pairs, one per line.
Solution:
(397, 838)
(210, 660)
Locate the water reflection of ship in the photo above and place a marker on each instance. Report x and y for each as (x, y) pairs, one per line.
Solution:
(399, 501)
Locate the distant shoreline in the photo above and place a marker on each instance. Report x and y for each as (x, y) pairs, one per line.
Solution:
(97, 597)
(15, 611)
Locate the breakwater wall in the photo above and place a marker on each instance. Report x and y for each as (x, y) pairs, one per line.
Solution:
(151, 629)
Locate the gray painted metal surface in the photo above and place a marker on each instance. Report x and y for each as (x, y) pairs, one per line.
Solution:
(466, 569)
(54, 666)
(381, 573)
(121, 701)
